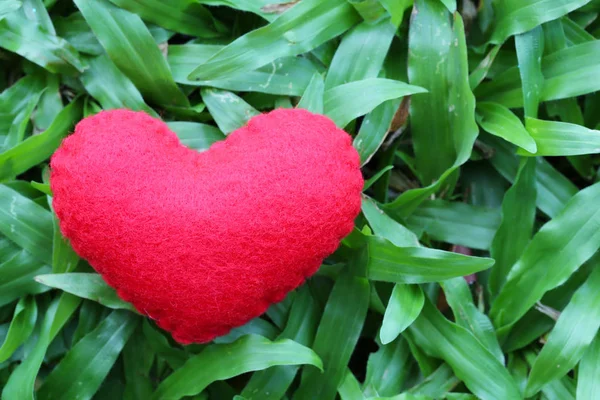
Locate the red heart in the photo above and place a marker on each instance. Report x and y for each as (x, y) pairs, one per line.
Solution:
(204, 242)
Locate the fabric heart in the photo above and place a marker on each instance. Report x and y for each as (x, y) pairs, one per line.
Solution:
(204, 242)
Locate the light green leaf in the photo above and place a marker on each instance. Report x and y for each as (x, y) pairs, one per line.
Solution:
(361, 53)
(249, 353)
(229, 111)
(26, 223)
(386, 227)
(350, 388)
(272, 383)
(89, 286)
(298, 30)
(467, 315)
(472, 363)
(555, 138)
(516, 16)
(8, 6)
(456, 223)
(38, 148)
(389, 263)
(388, 368)
(571, 336)
(312, 98)
(21, 326)
(404, 306)
(22, 33)
(559, 248)
(133, 50)
(342, 107)
(196, 136)
(286, 76)
(107, 84)
(588, 378)
(500, 121)
(530, 48)
(564, 77)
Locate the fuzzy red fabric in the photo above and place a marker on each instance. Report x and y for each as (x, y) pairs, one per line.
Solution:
(204, 242)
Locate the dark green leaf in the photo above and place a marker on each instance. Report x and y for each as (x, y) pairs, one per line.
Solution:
(516, 228)
(20, 385)
(336, 336)
(301, 326)
(442, 121)
(85, 366)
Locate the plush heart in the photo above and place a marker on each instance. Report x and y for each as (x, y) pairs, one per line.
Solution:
(204, 242)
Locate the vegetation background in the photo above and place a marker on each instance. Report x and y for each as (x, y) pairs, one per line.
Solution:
(475, 123)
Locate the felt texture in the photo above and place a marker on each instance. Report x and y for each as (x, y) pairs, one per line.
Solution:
(204, 242)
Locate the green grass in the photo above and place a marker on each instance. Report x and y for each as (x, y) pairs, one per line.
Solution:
(477, 136)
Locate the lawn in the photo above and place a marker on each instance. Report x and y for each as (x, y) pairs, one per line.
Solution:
(472, 271)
